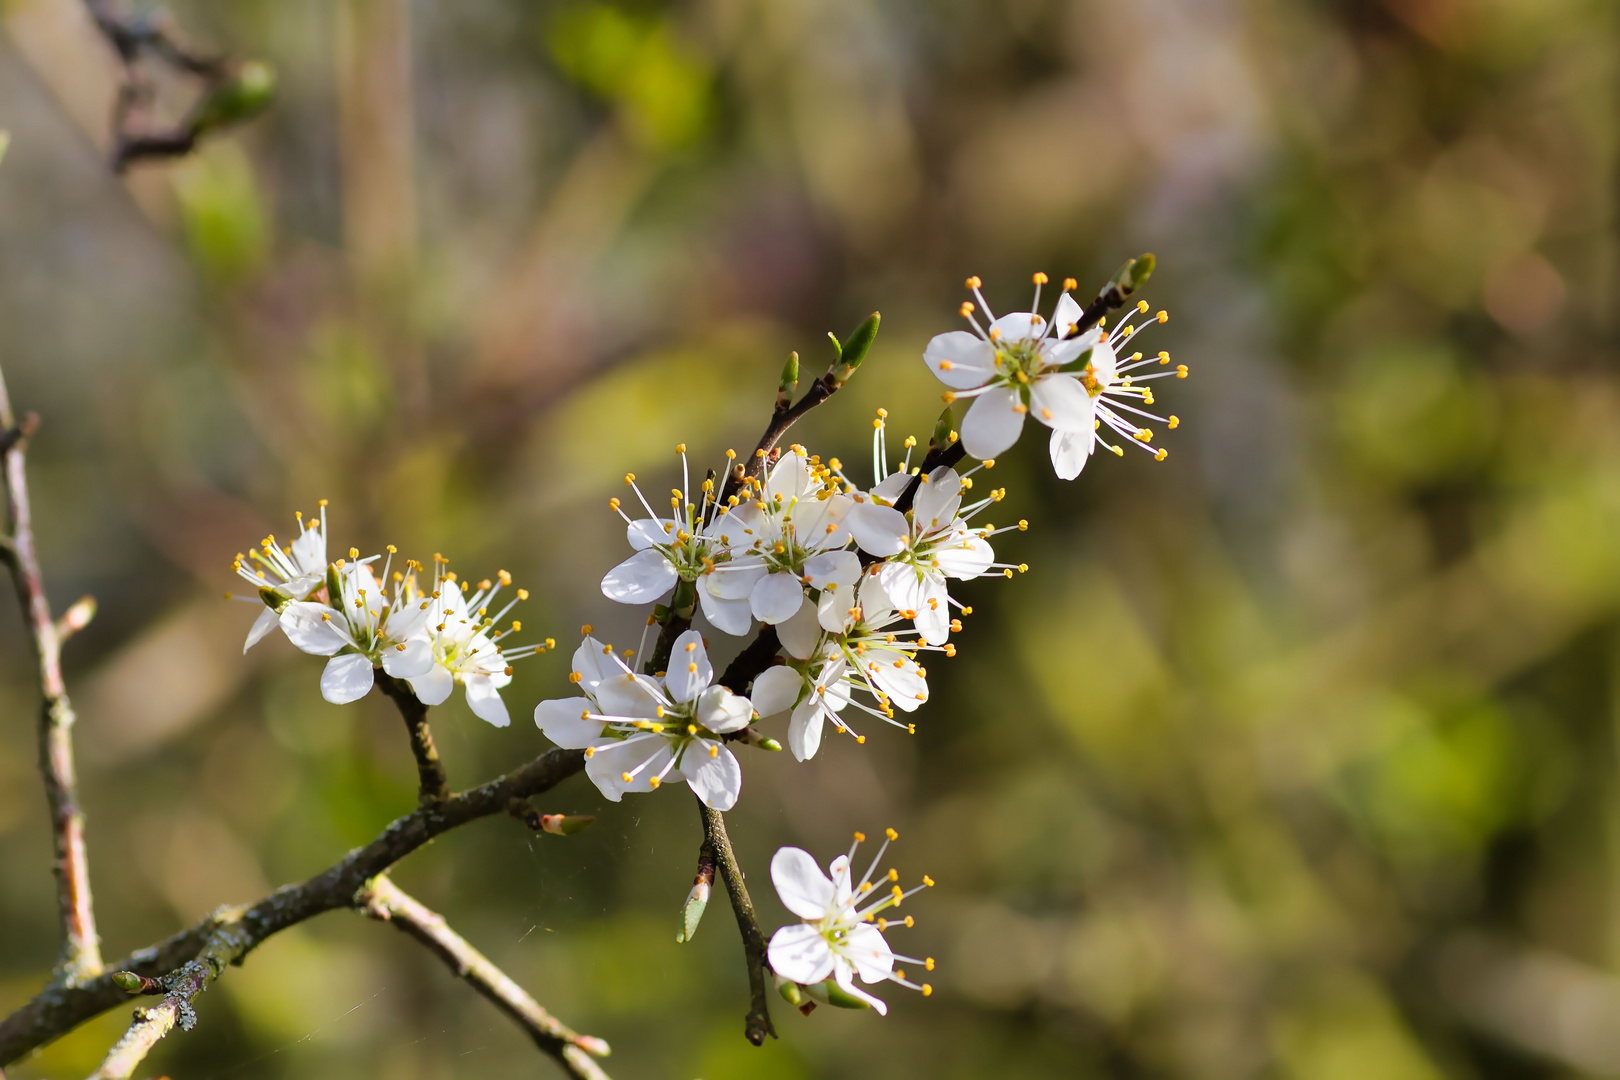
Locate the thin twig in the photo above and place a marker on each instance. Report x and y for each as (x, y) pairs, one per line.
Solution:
(381, 899)
(757, 1024)
(433, 787)
(227, 945)
(58, 1010)
(81, 947)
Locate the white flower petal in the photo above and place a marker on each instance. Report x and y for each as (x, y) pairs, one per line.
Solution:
(732, 617)
(309, 553)
(628, 694)
(346, 678)
(960, 360)
(484, 698)
(933, 618)
(966, 556)
(307, 629)
(790, 478)
(846, 982)
(592, 664)
(876, 605)
(642, 756)
(1059, 401)
(837, 567)
(801, 634)
(646, 532)
(904, 684)
(433, 686)
(642, 578)
(415, 658)
(689, 667)
(804, 729)
(878, 530)
(776, 690)
(1070, 450)
(736, 579)
(939, 496)
(833, 611)
(561, 720)
(1017, 326)
(267, 621)
(1104, 363)
(800, 953)
(865, 948)
(712, 773)
(799, 881)
(721, 711)
(777, 598)
(1066, 317)
(892, 486)
(992, 423)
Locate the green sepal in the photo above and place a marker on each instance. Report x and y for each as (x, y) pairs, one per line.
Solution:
(334, 586)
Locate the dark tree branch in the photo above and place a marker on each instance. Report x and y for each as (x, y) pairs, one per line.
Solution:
(81, 949)
(757, 1024)
(60, 1009)
(432, 785)
(381, 899)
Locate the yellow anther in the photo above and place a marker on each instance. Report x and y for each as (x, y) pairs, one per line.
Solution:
(910, 922)
(1175, 422)
(1070, 283)
(1040, 278)
(860, 740)
(626, 777)
(691, 646)
(1161, 454)
(1142, 306)
(585, 629)
(354, 553)
(891, 834)
(894, 875)
(947, 397)
(574, 676)
(927, 991)
(1163, 316)
(1023, 568)
(928, 881)
(714, 751)
(551, 643)
(860, 838)
(690, 668)
(516, 626)
(974, 282)
(590, 751)
(653, 781)
(1181, 371)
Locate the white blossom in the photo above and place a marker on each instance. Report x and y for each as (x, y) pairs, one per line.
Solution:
(685, 546)
(1072, 381)
(841, 935)
(638, 731)
(368, 625)
(279, 574)
(465, 644)
(790, 537)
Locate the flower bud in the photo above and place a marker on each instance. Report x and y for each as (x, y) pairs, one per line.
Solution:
(334, 585)
(77, 616)
(854, 349)
(788, 383)
(752, 737)
(242, 95)
(944, 431)
(565, 824)
(692, 911)
(828, 992)
(273, 600)
(791, 991)
(1134, 274)
(127, 981)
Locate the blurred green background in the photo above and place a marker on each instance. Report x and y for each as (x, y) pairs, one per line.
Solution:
(1293, 756)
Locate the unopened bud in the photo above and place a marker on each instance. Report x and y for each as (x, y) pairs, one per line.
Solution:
(697, 901)
(854, 349)
(242, 95)
(944, 432)
(592, 1045)
(77, 616)
(788, 383)
(1134, 274)
(127, 981)
(273, 600)
(791, 991)
(830, 993)
(752, 737)
(334, 585)
(565, 824)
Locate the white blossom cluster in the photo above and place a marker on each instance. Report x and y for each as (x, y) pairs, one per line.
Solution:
(853, 581)
(432, 630)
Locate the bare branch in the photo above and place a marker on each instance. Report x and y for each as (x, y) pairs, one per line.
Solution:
(433, 786)
(58, 1010)
(757, 1024)
(227, 945)
(81, 948)
(383, 900)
